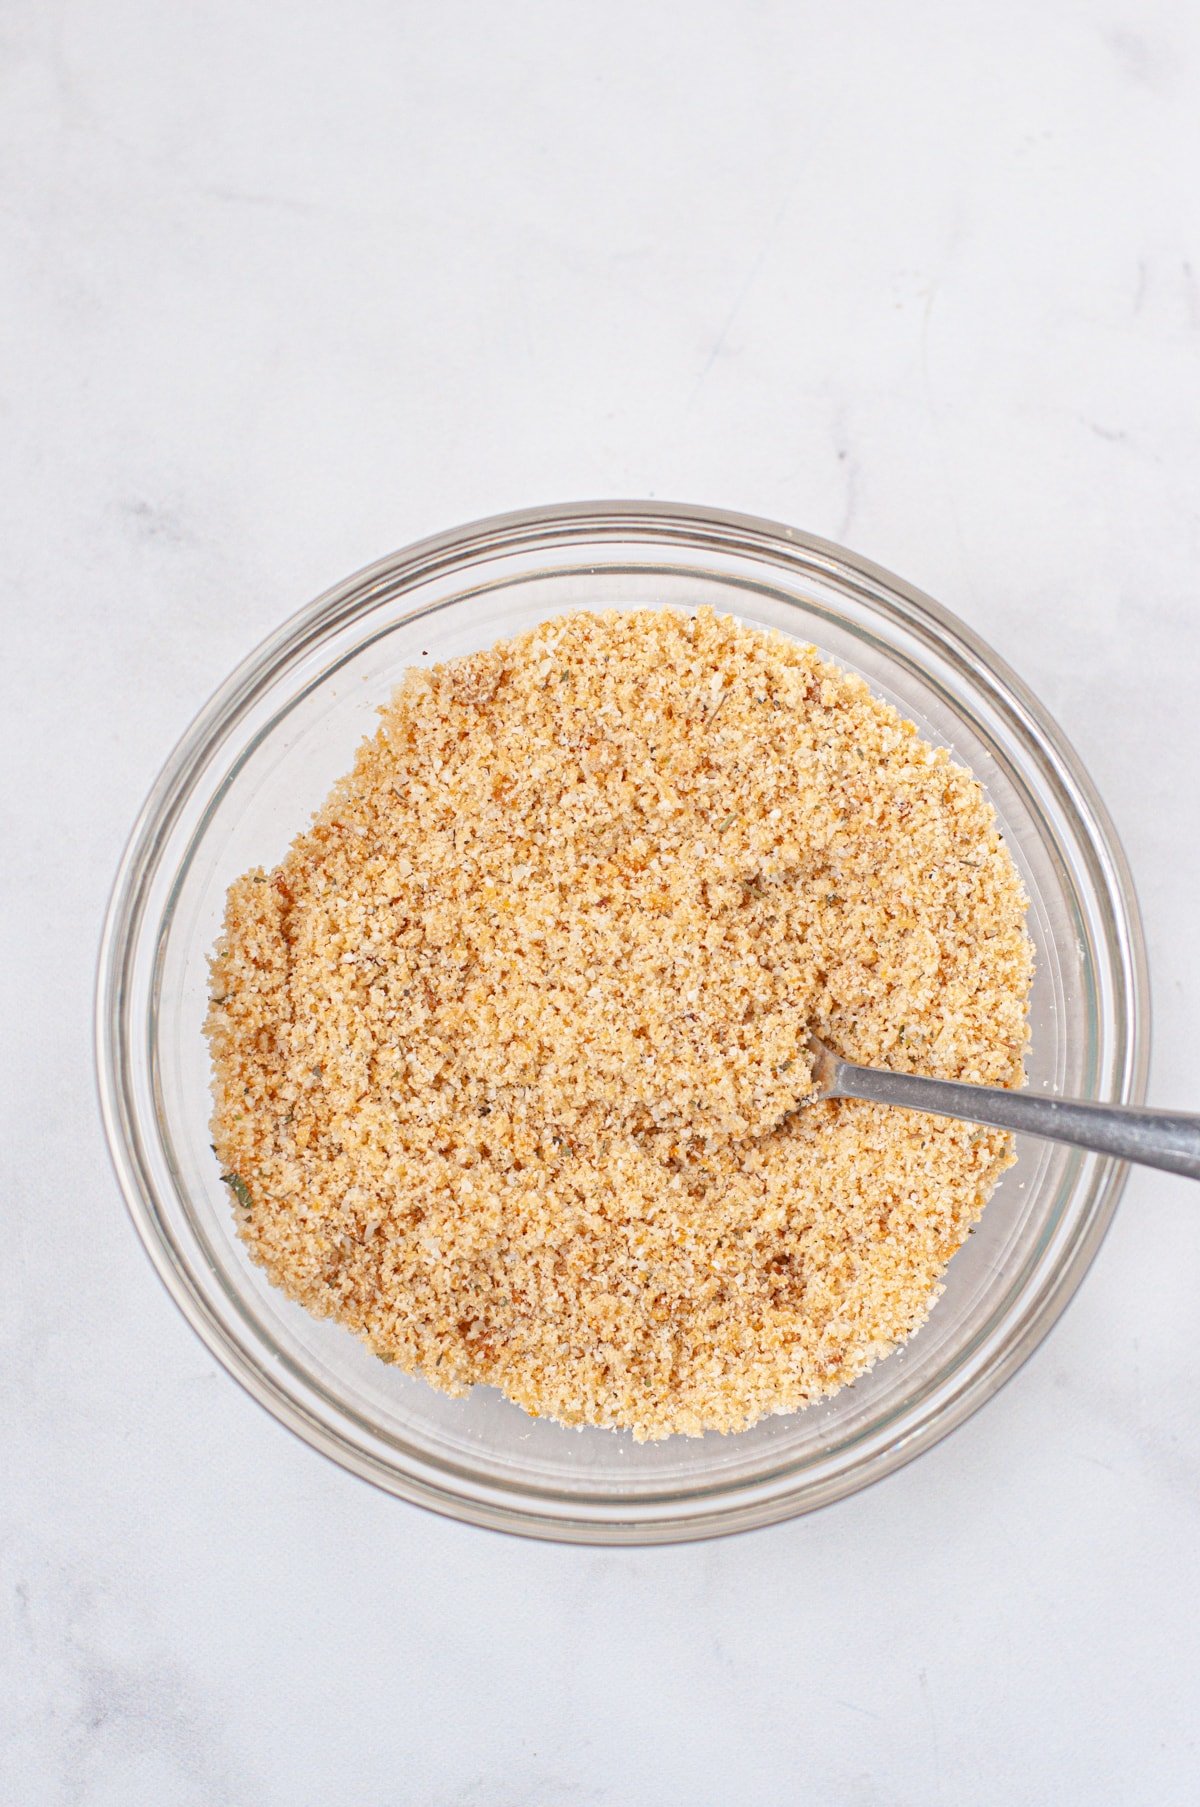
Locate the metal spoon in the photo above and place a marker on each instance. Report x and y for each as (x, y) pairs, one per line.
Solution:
(1154, 1138)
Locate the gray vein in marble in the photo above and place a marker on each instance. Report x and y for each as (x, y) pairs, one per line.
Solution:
(1138, 57)
(156, 524)
(751, 276)
(106, 1712)
(850, 474)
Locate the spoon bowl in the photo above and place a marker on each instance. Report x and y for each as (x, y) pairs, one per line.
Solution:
(1170, 1140)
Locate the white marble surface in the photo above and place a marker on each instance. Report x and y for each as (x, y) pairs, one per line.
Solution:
(285, 286)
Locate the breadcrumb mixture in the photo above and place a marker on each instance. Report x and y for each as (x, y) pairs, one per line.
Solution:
(507, 1049)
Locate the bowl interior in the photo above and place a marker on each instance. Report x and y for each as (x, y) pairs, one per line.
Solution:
(262, 759)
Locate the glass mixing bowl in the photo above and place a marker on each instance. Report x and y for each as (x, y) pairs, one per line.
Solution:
(262, 756)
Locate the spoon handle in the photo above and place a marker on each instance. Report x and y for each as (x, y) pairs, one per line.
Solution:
(1153, 1138)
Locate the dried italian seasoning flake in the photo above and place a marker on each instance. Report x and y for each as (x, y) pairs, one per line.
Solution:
(512, 1038)
(240, 1190)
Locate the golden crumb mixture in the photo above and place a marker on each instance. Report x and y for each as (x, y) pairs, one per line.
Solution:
(506, 1050)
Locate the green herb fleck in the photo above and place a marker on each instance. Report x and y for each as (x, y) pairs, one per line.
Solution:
(727, 823)
(240, 1190)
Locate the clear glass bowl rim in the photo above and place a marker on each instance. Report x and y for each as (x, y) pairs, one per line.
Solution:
(553, 528)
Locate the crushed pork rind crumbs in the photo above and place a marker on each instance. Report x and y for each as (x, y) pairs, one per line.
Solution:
(507, 1048)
